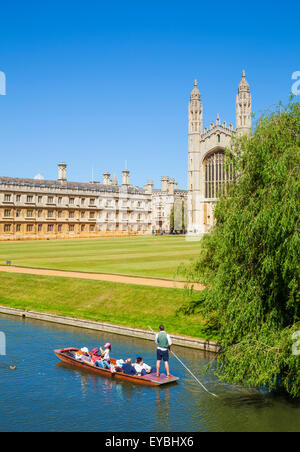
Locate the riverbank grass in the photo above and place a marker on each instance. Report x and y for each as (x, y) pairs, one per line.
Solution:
(122, 304)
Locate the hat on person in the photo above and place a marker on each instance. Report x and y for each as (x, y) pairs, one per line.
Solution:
(95, 351)
(120, 362)
(107, 345)
(85, 350)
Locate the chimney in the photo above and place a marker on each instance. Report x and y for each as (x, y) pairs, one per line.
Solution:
(149, 187)
(165, 184)
(62, 172)
(106, 179)
(172, 187)
(125, 177)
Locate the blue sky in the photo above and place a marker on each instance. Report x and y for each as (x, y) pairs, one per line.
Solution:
(97, 83)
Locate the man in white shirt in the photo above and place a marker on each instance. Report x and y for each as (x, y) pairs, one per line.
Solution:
(163, 342)
(141, 367)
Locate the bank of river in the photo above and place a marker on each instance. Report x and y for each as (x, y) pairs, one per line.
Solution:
(45, 395)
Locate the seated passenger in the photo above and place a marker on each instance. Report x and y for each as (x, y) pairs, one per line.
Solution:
(105, 354)
(95, 355)
(141, 367)
(128, 368)
(84, 356)
(101, 363)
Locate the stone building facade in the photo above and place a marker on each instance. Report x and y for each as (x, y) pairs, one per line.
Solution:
(42, 209)
(207, 175)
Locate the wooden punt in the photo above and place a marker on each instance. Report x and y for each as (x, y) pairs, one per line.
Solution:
(148, 380)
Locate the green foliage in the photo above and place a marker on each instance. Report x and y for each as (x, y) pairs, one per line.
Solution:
(250, 260)
(183, 214)
(172, 218)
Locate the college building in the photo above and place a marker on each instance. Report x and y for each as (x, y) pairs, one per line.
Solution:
(45, 209)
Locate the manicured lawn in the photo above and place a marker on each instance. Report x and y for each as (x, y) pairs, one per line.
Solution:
(137, 256)
(128, 305)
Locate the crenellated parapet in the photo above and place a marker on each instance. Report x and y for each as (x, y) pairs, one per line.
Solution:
(218, 127)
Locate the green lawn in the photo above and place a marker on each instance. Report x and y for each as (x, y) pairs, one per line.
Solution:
(137, 256)
(128, 305)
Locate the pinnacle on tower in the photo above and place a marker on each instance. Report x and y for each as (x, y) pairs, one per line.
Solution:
(244, 85)
(243, 107)
(195, 94)
(195, 111)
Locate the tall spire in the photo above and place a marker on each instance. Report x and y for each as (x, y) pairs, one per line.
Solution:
(243, 107)
(195, 111)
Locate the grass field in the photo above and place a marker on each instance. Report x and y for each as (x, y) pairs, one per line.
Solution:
(128, 305)
(136, 256)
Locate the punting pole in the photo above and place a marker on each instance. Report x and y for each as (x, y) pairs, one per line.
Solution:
(198, 381)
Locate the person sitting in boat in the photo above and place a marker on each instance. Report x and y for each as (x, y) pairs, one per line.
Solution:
(95, 355)
(83, 355)
(105, 353)
(141, 367)
(104, 359)
(128, 368)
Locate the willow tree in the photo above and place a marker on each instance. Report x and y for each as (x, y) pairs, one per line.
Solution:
(250, 260)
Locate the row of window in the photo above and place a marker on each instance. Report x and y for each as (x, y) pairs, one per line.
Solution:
(30, 199)
(71, 228)
(50, 228)
(50, 214)
(50, 199)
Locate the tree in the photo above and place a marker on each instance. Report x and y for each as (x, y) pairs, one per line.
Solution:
(250, 261)
(172, 218)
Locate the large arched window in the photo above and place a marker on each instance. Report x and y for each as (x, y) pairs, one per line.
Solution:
(216, 175)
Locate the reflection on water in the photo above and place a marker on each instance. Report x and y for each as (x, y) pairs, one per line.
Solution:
(46, 395)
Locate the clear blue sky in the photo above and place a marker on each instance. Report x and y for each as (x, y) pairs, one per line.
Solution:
(97, 83)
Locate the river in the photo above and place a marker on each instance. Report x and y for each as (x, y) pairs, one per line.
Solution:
(43, 394)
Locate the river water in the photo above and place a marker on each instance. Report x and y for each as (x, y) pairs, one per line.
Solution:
(45, 395)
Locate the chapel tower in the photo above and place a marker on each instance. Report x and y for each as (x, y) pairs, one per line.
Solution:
(194, 164)
(243, 108)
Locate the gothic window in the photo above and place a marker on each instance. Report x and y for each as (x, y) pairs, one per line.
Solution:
(217, 175)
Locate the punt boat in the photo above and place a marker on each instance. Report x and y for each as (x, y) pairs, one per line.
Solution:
(65, 355)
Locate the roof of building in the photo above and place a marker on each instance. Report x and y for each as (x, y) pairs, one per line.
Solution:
(64, 185)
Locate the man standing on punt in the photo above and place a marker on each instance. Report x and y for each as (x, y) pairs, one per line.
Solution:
(163, 342)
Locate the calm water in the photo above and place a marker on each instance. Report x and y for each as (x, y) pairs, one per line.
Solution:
(45, 395)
